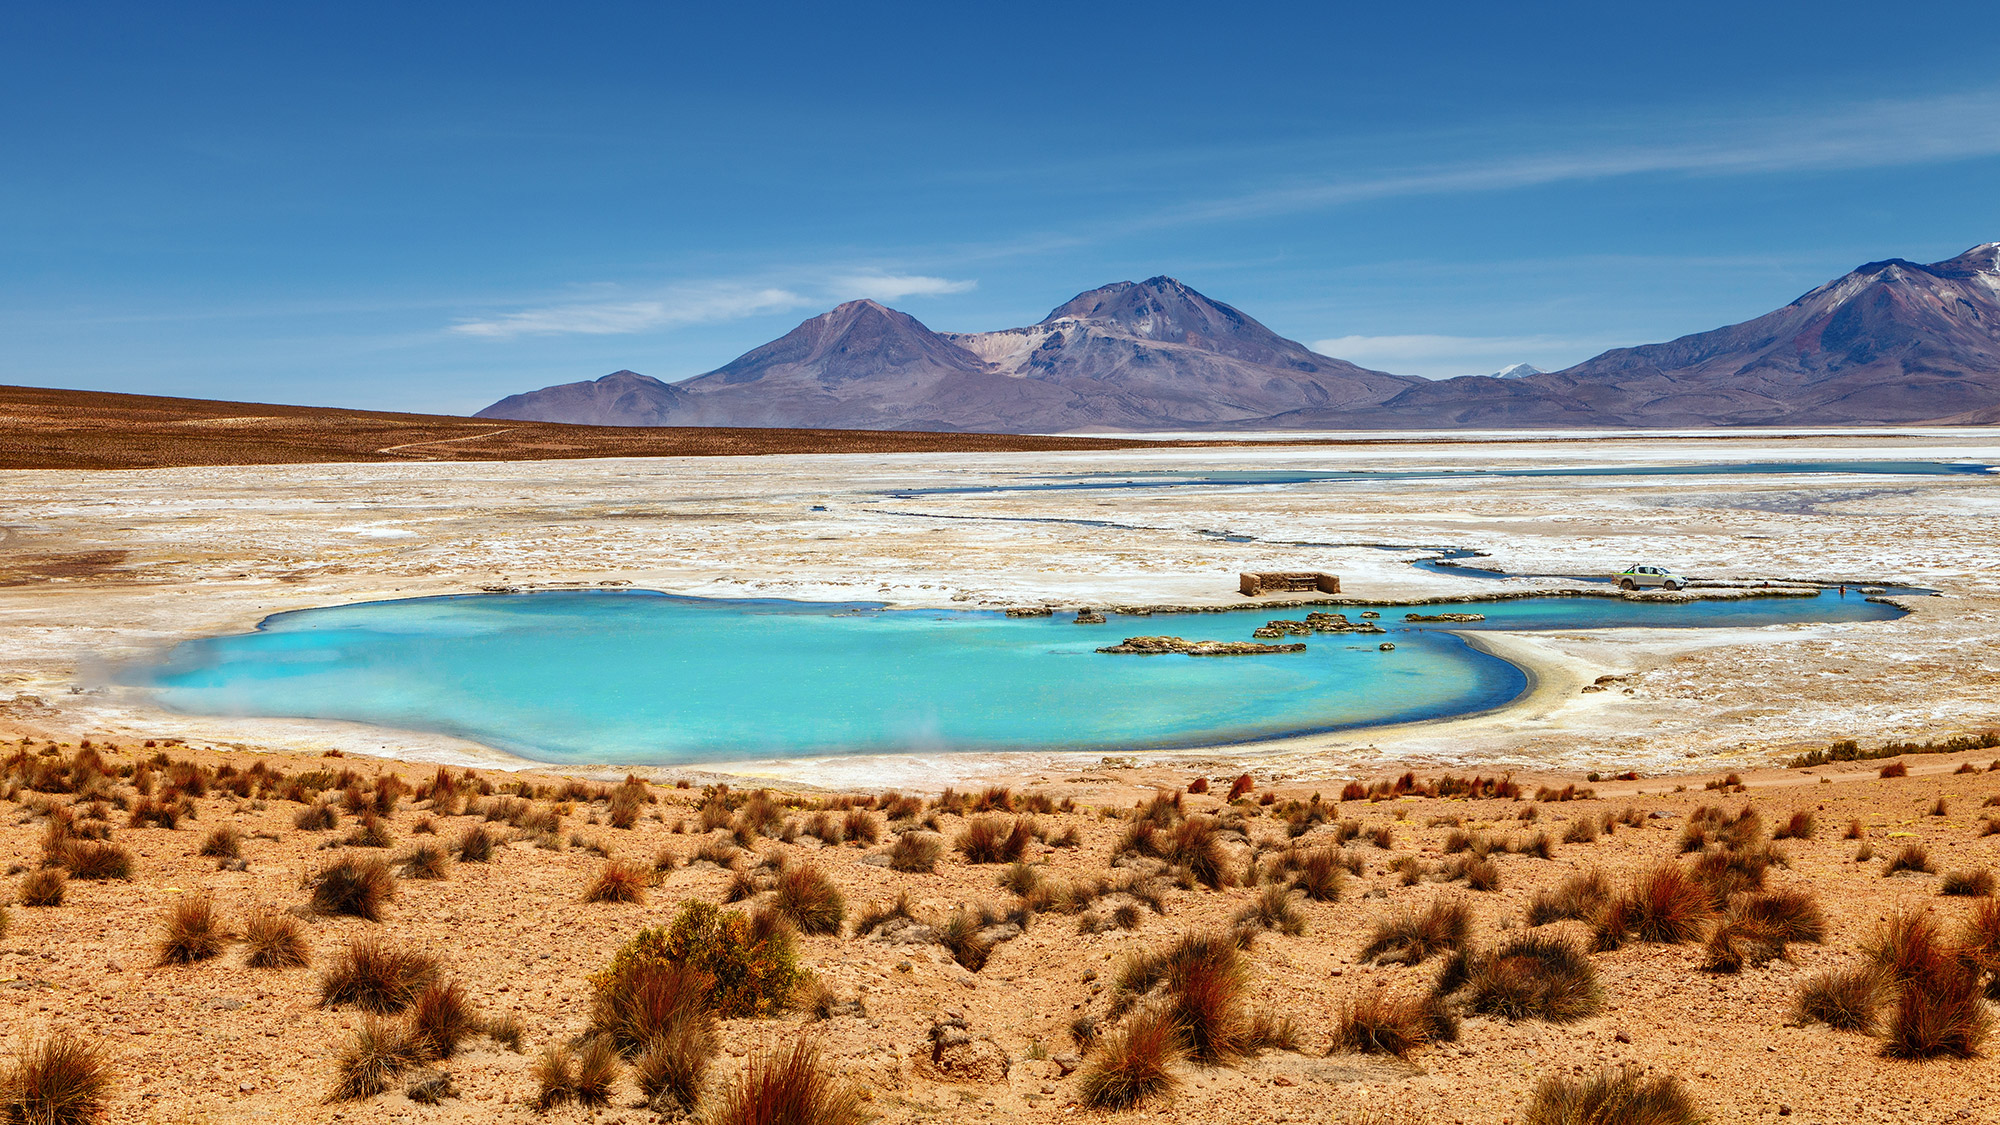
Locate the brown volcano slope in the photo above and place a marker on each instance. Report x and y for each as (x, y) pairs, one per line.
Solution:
(42, 428)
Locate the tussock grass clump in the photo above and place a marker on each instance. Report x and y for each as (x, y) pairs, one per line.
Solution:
(1894, 769)
(1581, 830)
(1582, 896)
(1239, 788)
(1910, 857)
(617, 882)
(316, 818)
(1623, 1098)
(1412, 937)
(991, 839)
(1205, 982)
(377, 977)
(370, 1061)
(807, 897)
(355, 887)
(193, 932)
(1980, 940)
(916, 853)
(475, 846)
(1938, 1012)
(1380, 1024)
(425, 861)
(1740, 942)
(1274, 908)
(1847, 999)
(1135, 1064)
(787, 1088)
(962, 935)
(754, 967)
(222, 842)
(861, 827)
(1799, 826)
(1727, 872)
(274, 941)
(1905, 946)
(61, 1079)
(673, 1065)
(586, 1078)
(1195, 846)
(44, 887)
(874, 916)
(1974, 883)
(1664, 905)
(1537, 976)
(95, 860)
(441, 1017)
(1020, 879)
(643, 999)
(371, 832)
(1478, 872)
(719, 852)
(1317, 873)
(1539, 846)
(742, 887)
(1938, 1007)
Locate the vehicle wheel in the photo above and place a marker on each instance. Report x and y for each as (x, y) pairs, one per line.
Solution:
(1671, 585)
(1626, 584)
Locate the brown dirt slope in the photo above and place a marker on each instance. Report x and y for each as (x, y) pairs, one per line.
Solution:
(43, 428)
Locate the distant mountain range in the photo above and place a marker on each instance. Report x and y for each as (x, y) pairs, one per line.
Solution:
(1891, 342)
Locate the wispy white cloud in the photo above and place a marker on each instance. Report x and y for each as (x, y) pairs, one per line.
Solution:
(671, 309)
(1442, 357)
(1877, 134)
(686, 304)
(893, 287)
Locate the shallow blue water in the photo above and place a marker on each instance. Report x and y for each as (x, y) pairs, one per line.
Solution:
(1242, 477)
(640, 678)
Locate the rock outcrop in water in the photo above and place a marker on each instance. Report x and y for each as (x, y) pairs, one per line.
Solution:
(1181, 646)
(1444, 617)
(1314, 623)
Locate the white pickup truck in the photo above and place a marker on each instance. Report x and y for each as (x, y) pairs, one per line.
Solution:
(1637, 577)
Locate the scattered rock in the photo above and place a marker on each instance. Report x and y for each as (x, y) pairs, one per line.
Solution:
(1386, 646)
(1444, 617)
(1181, 646)
(1089, 617)
(1067, 1062)
(430, 1089)
(959, 1055)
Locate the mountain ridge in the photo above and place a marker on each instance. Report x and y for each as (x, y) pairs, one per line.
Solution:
(1892, 341)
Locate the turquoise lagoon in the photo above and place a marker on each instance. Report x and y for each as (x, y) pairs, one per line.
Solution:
(650, 679)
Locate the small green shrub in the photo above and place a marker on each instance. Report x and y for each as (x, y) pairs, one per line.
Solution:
(755, 969)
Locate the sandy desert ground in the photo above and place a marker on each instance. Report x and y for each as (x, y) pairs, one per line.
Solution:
(103, 567)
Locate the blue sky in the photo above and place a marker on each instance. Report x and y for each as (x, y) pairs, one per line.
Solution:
(427, 207)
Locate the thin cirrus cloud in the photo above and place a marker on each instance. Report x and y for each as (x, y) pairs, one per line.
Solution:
(690, 305)
(1860, 135)
(894, 287)
(672, 309)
